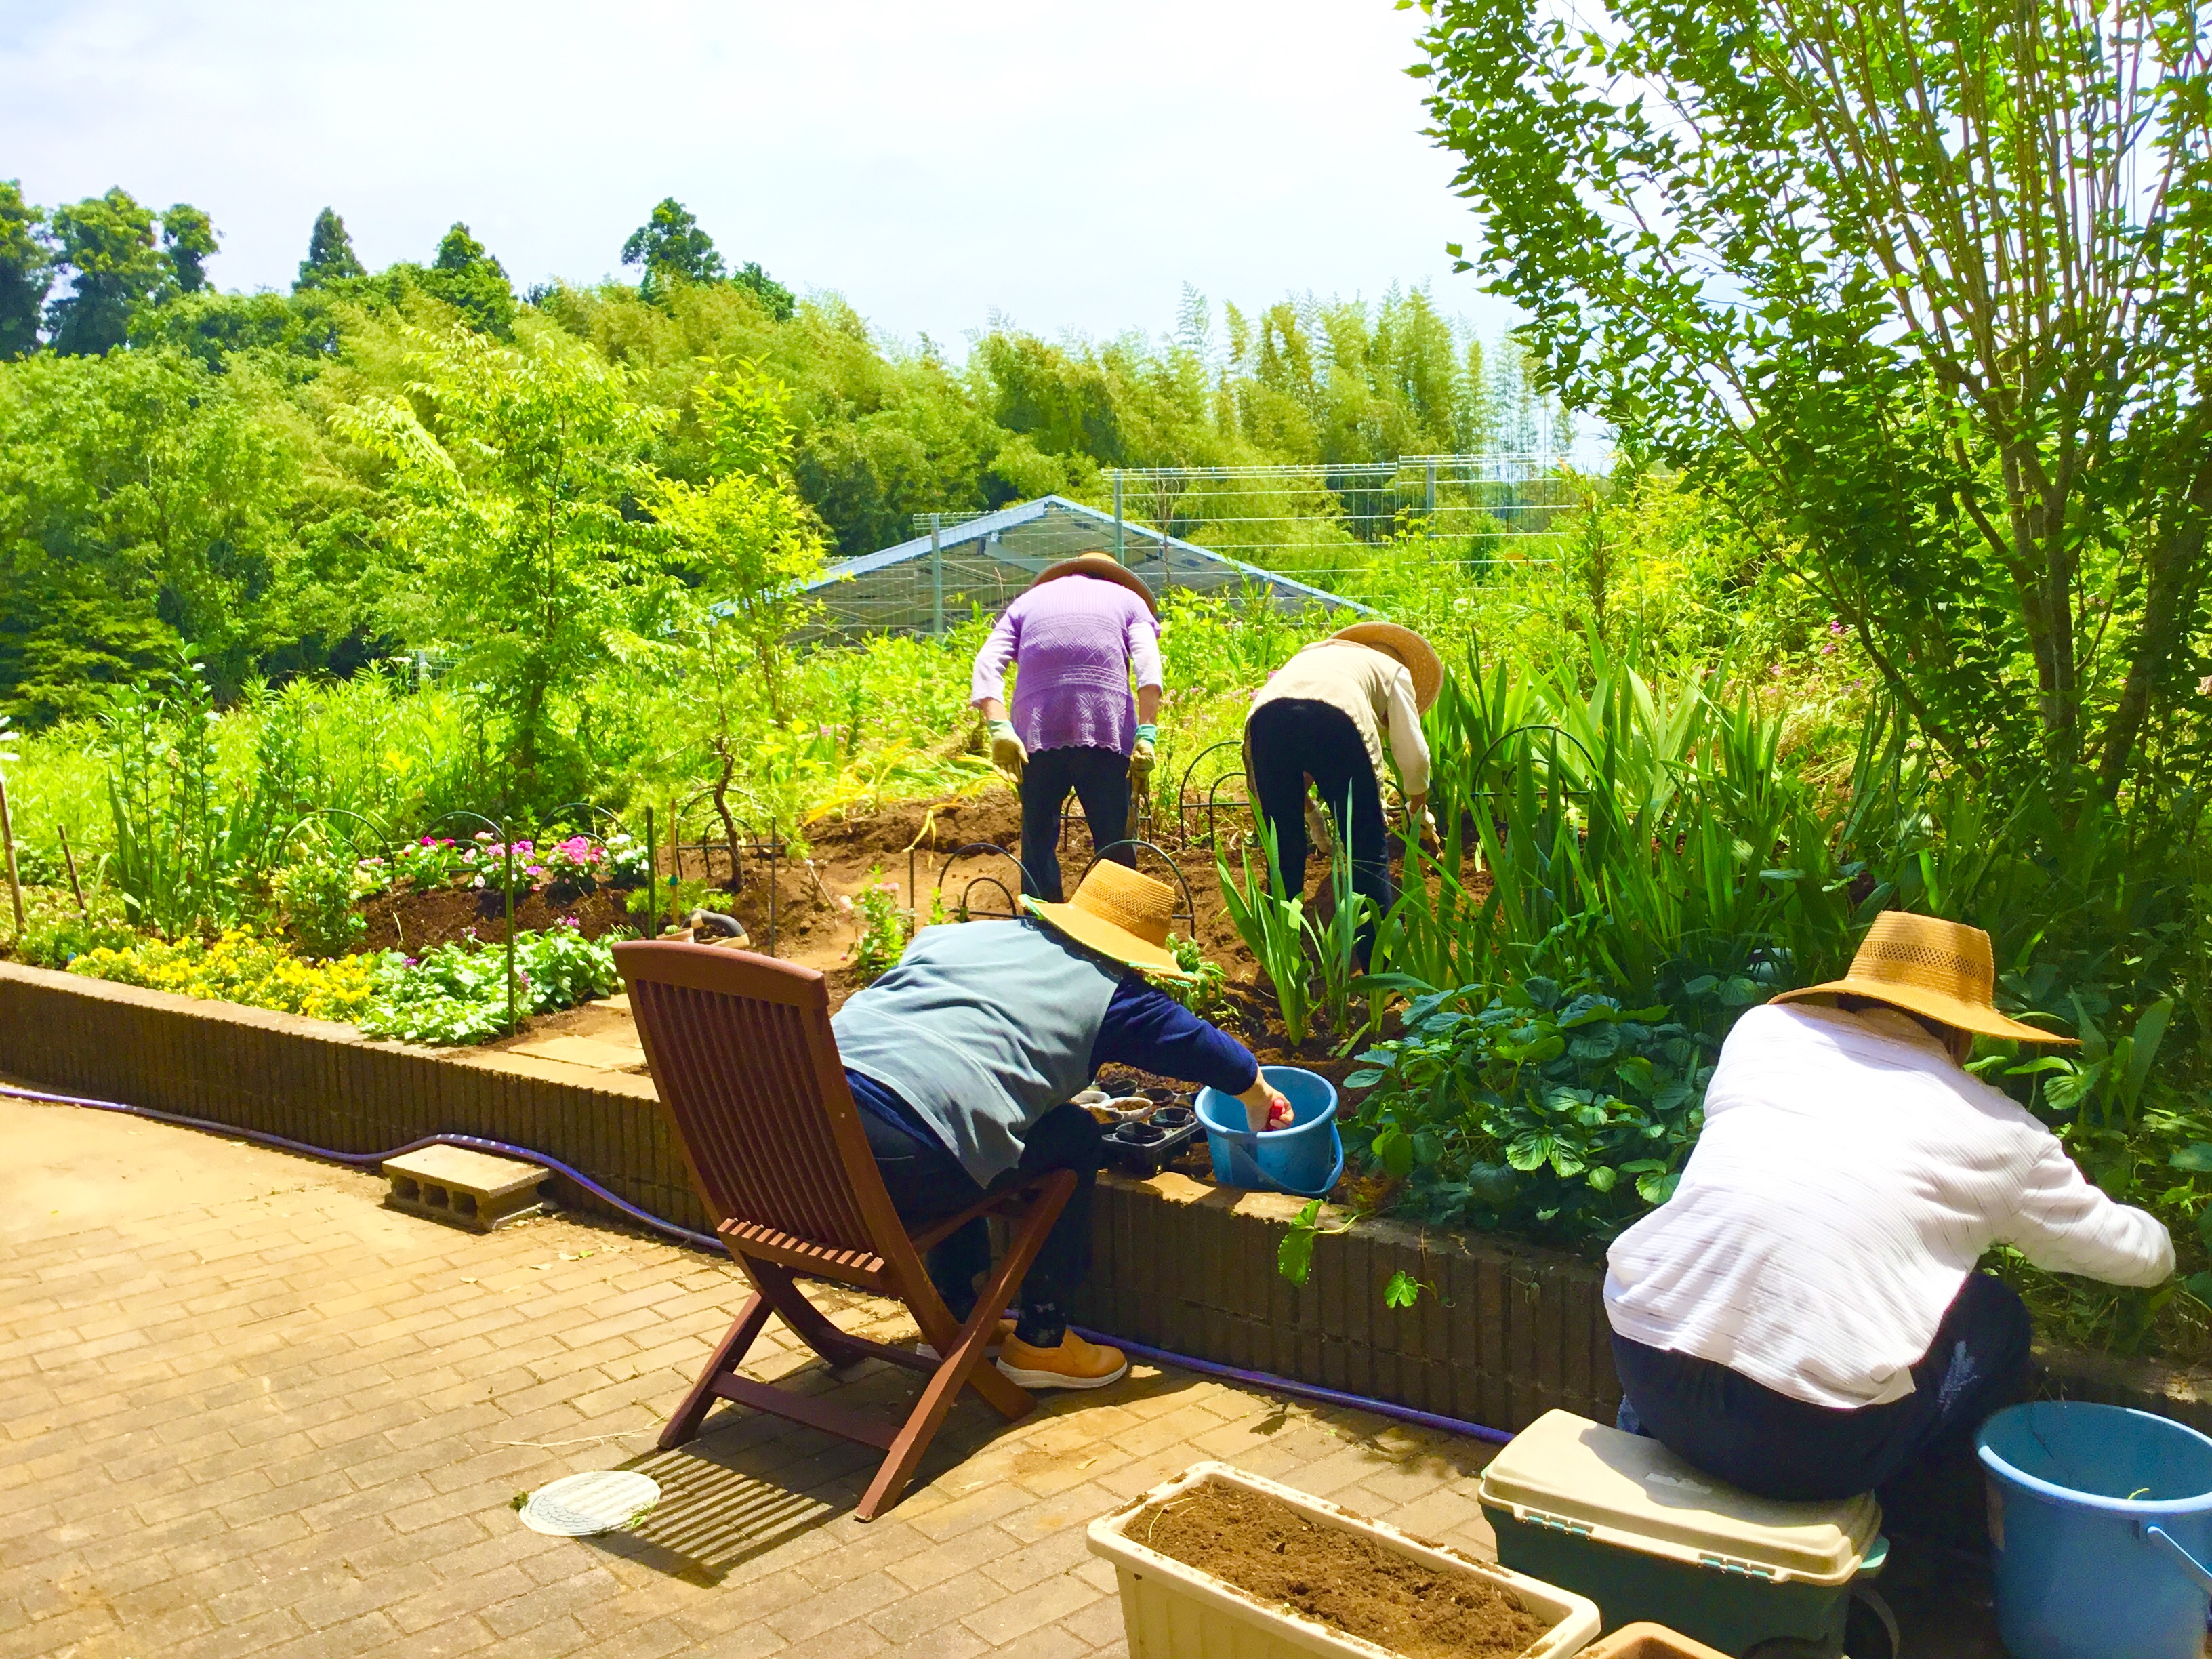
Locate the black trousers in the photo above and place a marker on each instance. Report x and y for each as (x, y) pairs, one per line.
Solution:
(1295, 738)
(927, 1184)
(1907, 1450)
(1100, 779)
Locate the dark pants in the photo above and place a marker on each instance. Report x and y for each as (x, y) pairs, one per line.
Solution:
(1100, 778)
(1295, 738)
(1778, 1447)
(927, 1184)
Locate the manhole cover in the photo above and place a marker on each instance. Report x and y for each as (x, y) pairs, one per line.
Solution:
(578, 1505)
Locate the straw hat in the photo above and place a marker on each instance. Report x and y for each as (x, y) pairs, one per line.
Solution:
(1102, 566)
(1408, 647)
(1118, 913)
(1925, 965)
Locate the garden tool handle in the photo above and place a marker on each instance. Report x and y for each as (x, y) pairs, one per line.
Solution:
(2151, 1533)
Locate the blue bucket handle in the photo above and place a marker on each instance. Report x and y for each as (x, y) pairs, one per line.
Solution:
(2151, 1533)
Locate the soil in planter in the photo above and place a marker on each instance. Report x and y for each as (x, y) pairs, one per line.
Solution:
(1343, 1579)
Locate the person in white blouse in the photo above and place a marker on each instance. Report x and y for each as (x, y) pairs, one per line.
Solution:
(1328, 715)
(1803, 1318)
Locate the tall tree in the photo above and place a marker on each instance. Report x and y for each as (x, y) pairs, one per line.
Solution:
(27, 270)
(471, 280)
(329, 257)
(188, 238)
(108, 245)
(671, 247)
(1923, 290)
(512, 514)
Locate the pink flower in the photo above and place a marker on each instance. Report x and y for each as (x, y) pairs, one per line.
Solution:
(1827, 650)
(1838, 630)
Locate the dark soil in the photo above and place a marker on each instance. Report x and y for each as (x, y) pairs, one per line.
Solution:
(410, 921)
(1345, 1580)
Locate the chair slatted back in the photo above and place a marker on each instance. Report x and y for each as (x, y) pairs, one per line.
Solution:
(746, 1068)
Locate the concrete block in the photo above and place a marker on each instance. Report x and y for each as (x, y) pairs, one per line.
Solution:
(472, 1189)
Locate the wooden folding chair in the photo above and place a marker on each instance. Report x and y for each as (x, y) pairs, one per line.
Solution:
(747, 1070)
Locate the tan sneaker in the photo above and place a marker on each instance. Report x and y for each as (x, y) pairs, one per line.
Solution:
(1074, 1363)
(991, 1348)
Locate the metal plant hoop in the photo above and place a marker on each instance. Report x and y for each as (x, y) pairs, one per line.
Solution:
(1013, 907)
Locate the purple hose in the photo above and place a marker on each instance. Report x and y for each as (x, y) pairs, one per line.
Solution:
(476, 1143)
(1260, 1380)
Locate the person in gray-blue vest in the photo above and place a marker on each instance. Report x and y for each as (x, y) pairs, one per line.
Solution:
(963, 1058)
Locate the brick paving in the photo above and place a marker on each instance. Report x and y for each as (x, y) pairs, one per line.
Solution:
(247, 1410)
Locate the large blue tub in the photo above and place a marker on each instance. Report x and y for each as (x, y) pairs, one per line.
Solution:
(2102, 1518)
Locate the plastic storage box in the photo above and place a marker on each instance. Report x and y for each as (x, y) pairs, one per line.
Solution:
(1171, 1610)
(1620, 1519)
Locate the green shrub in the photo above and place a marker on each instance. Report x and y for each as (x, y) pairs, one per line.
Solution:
(457, 993)
(316, 897)
(1564, 1116)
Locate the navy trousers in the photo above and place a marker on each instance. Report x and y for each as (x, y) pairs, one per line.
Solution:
(1100, 779)
(927, 1184)
(1777, 1447)
(1294, 739)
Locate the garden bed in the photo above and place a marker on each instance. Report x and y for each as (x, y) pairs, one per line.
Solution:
(1502, 1332)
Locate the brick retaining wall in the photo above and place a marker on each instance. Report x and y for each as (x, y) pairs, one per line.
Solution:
(1503, 1331)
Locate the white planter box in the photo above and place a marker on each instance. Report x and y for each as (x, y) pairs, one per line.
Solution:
(1171, 1610)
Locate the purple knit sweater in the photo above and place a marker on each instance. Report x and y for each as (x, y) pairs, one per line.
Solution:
(1071, 641)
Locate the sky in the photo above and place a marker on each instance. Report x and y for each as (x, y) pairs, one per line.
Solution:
(1065, 169)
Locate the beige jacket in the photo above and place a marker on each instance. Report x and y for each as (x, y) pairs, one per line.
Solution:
(1370, 686)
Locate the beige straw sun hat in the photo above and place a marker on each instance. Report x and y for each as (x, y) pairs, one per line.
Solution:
(1419, 656)
(1118, 913)
(1104, 567)
(1925, 965)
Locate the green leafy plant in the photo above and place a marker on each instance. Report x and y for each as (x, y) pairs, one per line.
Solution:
(1203, 995)
(457, 993)
(882, 934)
(1274, 929)
(1562, 1114)
(1336, 945)
(317, 895)
(1294, 1255)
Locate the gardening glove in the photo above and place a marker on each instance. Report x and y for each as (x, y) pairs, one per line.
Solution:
(1006, 751)
(1141, 759)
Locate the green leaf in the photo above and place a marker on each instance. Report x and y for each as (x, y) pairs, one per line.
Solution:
(1601, 1177)
(2196, 1157)
(2200, 1286)
(1394, 1150)
(1294, 1255)
(1741, 993)
(1403, 1291)
(1366, 1078)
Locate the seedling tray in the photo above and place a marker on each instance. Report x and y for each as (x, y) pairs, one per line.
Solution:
(1146, 1148)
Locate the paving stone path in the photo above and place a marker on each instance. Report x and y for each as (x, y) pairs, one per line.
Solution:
(247, 1410)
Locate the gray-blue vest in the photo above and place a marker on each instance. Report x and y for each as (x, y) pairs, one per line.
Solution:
(982, 1028)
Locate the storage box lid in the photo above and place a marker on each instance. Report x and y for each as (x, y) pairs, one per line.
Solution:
(1624, 1490)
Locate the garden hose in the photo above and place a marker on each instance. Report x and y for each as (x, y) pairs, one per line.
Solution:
(1263, 1382)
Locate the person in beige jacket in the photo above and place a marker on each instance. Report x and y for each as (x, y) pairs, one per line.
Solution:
(1328, 716)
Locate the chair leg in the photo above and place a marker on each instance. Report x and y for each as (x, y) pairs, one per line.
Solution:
(963, 1362)
(728, 1354)
(781, 1289)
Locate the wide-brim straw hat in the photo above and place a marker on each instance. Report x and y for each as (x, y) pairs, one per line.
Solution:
(1118, 914)
(1106, 569)
(1925, 965)
(1408, 647)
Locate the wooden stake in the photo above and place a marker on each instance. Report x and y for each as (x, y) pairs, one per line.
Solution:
(8, 840)
(70, 859)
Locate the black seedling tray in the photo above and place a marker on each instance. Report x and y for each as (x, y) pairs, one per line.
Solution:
(1146, 1148)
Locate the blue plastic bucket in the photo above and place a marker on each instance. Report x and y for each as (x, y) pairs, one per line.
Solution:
(2102, 1520)
(1305, 1159)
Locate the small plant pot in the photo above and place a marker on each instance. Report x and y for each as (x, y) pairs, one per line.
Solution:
(1171, 1610)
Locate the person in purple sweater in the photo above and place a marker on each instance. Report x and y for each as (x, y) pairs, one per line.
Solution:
(1074, 641)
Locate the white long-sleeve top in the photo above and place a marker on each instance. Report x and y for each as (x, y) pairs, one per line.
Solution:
(1373, 688)
(1848, 1177)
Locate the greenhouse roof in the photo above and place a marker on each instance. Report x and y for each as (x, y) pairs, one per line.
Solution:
(984, 561)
